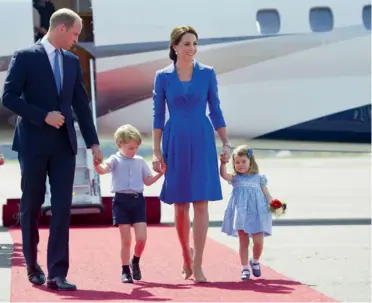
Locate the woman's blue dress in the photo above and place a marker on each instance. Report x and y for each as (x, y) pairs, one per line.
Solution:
(188, 142)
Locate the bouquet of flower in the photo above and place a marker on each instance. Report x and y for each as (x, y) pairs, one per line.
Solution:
(277, 207)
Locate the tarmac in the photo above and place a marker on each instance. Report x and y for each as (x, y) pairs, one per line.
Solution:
(323, 241)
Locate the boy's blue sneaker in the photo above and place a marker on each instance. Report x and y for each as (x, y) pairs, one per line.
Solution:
(136, 271)
(126, 278)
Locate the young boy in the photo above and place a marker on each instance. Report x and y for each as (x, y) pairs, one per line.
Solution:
(129, 173)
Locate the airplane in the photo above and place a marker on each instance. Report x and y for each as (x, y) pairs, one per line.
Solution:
(286, 70)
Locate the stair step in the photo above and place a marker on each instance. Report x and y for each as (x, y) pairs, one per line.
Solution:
(81, 186)
(83, 197)
(80, 211)
(81, 167)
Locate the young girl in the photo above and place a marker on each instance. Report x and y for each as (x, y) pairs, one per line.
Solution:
(129, 175)
(247, 213)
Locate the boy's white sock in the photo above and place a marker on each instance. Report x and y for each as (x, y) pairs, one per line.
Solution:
(245, 267)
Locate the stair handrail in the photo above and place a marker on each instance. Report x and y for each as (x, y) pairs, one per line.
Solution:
(93, 91)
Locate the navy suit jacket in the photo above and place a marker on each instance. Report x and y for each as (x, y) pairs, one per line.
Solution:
(30, 92)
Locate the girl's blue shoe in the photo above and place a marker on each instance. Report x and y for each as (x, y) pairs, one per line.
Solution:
(256, 268)
(246, 275)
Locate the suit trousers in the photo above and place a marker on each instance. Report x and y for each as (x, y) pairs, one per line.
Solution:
(59, 166)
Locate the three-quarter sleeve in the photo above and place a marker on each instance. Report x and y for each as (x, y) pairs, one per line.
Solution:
(215, 112)
(158, 102)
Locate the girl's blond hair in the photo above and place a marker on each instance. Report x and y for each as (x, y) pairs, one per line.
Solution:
(126, 133)
(245, 150)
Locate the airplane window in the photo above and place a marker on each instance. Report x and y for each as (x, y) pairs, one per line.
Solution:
(268, 21)
(321, 19)
(366, 15)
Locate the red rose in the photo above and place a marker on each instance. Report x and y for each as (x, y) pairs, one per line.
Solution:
(276, 204)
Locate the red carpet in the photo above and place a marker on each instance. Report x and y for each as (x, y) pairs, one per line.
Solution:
(95, 268)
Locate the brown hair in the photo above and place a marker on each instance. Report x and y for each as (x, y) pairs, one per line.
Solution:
(245, 150)
(126, 133)
(64, 16)
(176, 36)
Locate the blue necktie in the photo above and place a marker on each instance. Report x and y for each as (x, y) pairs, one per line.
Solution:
(57, 71)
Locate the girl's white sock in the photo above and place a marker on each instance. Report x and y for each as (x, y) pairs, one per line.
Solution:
(255, 264)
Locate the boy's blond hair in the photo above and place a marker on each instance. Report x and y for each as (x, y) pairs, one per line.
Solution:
(245, 150)
(126, 133)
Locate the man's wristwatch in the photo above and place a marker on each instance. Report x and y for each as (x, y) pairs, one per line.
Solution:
(226, 145)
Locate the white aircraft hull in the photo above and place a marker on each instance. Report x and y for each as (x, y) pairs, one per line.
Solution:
(295, 84)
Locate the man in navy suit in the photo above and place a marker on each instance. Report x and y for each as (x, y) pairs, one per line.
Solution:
(43, 84)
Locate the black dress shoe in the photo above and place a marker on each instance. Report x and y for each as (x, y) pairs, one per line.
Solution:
(136, 271)
(126, 278)
(60, 284)
(35, 275)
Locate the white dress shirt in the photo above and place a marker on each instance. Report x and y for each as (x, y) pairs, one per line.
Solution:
(49, 48)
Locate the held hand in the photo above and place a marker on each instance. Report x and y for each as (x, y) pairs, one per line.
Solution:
(225, 155)
(55, 119)
(157, 161)
(163, 169)
(222, 159)
(97, 154)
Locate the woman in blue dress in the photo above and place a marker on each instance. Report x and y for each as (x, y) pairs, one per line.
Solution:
(186, 88)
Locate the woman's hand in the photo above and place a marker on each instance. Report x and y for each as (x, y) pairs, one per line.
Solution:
(225, 155)
(157, 161)
(163, 169)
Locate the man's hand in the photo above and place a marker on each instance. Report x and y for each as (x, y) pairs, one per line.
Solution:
(55, 119)
(97, 154)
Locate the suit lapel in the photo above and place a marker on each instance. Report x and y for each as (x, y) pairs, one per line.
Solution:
(66, 70)
(195, 80)
(174, 81)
